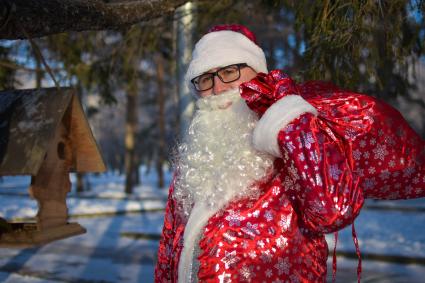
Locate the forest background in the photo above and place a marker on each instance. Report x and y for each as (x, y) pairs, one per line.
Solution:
(128, 70)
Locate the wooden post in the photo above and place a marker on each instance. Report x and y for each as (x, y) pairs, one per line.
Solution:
(51, 184)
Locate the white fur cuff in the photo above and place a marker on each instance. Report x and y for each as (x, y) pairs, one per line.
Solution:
(280, 114)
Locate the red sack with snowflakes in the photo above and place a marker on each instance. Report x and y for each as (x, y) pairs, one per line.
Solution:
(381, 150)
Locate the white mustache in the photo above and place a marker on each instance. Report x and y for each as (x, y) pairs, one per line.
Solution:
(218, 102)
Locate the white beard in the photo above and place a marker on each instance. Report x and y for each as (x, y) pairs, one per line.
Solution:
(216, 162)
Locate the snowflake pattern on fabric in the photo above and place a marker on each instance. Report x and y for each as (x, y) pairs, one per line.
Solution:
(234, 218)
(229, 259)
(380, 152)
(334, 171)
(282, 266)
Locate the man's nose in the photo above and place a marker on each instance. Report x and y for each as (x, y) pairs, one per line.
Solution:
(219, 86)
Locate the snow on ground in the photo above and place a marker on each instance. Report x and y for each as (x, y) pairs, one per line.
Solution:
(110, 184)
(376, 272)
(16, 207)
(106, 195)
(386, 233)
(14, 278)
(100, 255)
(106, 253)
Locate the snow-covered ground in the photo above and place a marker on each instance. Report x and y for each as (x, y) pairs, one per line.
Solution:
(122, 237)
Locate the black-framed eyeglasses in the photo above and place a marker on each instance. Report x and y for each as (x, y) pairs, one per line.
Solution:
(226, 74)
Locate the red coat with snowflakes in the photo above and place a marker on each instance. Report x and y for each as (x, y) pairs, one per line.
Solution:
(329, 158)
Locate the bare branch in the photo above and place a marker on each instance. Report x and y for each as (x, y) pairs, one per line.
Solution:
(14, 66)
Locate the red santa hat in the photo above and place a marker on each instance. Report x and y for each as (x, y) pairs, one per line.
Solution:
(226, 45)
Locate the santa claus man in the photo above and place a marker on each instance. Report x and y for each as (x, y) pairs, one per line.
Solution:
(269, 166)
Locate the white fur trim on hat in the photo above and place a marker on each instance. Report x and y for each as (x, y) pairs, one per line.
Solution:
(278, 116)
(222, 48)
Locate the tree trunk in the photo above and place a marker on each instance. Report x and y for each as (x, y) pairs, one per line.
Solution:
(272, 59)
(137, 176)
(39, 71)
(80, 176)
(80, 183)
(35, 18)
(176, 83)
(185, 29)
(130, 137)
(160, 159)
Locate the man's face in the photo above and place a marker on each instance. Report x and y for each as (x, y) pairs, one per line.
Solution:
(246, 74)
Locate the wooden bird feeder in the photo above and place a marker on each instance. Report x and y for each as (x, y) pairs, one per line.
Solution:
(44, 133)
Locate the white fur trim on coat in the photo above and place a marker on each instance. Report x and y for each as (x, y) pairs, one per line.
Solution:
(197, 220)
(222, 48)
(280, 114)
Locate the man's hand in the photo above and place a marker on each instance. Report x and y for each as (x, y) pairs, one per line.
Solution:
(265, 89)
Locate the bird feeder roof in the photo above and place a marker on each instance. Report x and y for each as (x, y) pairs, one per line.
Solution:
(28, 122)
